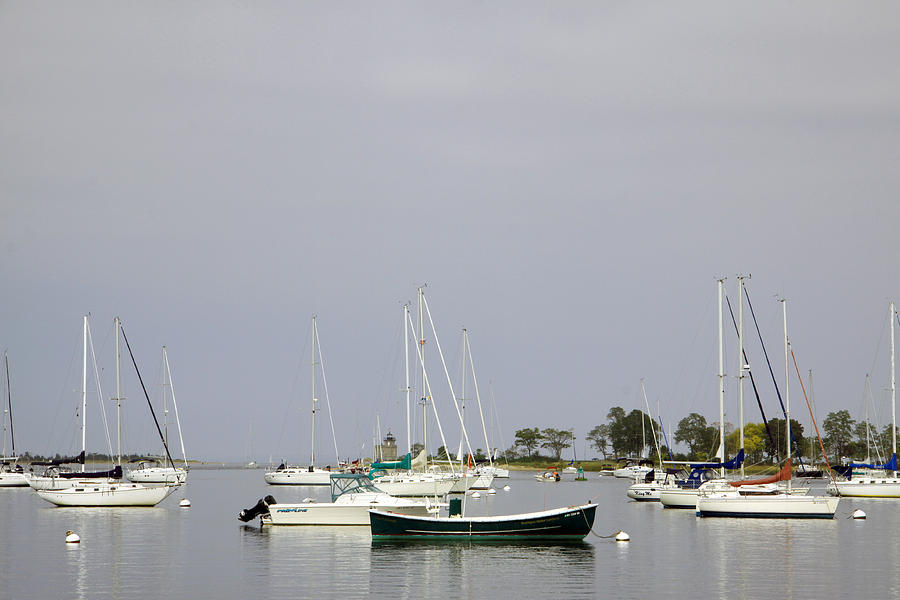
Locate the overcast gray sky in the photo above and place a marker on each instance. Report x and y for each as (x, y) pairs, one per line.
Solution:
(568, 178)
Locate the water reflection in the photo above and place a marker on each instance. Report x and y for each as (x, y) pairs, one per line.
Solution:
(418, 569)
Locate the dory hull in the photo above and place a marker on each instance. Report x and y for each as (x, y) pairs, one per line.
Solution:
(571, 523)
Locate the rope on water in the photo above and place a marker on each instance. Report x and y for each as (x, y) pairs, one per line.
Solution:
(591, 528)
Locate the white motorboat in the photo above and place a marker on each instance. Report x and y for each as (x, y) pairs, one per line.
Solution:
(633, 468)
(352, 496)
(548, 477)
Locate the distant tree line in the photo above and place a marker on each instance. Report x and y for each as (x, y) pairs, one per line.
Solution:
(27, 457)
(632, 435)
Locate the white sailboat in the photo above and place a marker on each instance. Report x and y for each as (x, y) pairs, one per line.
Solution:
(419, 480)
(311, 474)
(877, 484)
(109, 492)
(769, 502)
(11, 474)
(684, 494)
(154, 470)
(56, 476)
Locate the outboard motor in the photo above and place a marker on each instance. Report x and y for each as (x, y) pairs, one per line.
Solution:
(261, 508)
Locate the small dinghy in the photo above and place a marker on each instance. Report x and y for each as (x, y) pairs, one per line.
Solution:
(560, 524)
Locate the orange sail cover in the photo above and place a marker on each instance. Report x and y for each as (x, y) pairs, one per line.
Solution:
(783, 475)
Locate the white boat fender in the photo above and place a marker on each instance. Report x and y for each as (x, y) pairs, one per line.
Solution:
(185, 503)
(72, 537)
(622, 537)
(858, 514)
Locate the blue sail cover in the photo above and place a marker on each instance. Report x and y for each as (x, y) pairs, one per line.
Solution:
(734, 463)
(890, 465)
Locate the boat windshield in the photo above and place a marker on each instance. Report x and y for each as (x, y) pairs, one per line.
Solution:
(350, 484)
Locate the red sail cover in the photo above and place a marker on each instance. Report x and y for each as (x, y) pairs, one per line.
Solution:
(783, 475)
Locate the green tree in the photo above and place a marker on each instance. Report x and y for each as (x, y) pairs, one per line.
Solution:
(556, 440)
(529, 440)
(615, 415)
(699, 437)
(838, 427)
(885, 441)
(599, 439)
(628, 433)
(776, 426)
(755, 438)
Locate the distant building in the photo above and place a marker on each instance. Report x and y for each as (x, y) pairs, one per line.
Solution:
(387, 452)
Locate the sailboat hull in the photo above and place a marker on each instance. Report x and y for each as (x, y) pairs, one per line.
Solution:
(13, 480)
(885, 487)
(298, 477)
(414, 486)
(113, 494)
(776, 506)
(157, 475)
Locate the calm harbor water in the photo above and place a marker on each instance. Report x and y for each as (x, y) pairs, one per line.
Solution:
(205, 552)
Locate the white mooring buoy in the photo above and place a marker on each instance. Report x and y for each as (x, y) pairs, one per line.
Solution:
(858, 514)
(185, 503)
(72, 537)
(492, 491)
(476, 495)
(622, 537)
(505, 488)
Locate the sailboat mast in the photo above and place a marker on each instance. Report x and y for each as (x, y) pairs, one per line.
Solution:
(741, 364)
(175, 406)
(118, 398)
(422, 361)
(84, 391)
(787, 393)
(721, 384)
(12, 433)
(165, 402)
(893, 390)
(462, 392)
(406, 370)
(312, 454)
